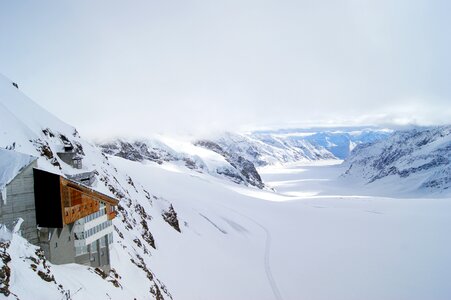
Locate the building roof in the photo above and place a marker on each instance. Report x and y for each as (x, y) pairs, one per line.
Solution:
(61, 201)
(11, 164)
(89, 191)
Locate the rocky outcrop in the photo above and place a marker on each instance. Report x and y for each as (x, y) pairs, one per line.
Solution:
(136, 151)
(29, 129)
(235, 168)
(170, 216)
(266, 149)
(292, 145)
(246, 169)
(422, 154)
(5, 270)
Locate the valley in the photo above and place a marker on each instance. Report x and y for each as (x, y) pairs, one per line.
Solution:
(308, 240)
(263, 215)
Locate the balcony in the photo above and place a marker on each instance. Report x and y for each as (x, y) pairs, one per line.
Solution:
(81, 226)
(83, 240)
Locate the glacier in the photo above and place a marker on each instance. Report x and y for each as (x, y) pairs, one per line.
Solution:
(316, 229)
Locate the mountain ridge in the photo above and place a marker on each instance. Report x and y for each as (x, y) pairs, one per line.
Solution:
(420, 155)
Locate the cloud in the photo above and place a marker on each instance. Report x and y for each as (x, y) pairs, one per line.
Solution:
(115, 68)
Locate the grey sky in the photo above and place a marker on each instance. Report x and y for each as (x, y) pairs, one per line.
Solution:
(178, 66)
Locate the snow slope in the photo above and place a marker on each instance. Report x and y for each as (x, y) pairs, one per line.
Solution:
(307, 241)
(352, 246)
(411, 161)
(287, 146)
(266, 149)
(341, 142)
(25, 274)
(27, 128)
(185, 234)
(203, 156)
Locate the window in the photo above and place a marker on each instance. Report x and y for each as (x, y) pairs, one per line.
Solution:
(56, 245)
(81, 250)
(102, 242)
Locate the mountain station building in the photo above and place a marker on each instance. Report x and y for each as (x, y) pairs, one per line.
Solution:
(63, 215)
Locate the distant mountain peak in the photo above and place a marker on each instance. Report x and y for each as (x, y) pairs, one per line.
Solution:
(419, 159)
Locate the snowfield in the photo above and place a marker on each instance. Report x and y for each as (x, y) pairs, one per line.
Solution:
(186, 231)
(304, 242)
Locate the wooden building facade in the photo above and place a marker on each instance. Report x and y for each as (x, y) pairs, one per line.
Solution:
(74, 220)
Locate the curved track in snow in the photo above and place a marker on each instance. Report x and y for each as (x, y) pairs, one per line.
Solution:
(268, 271)
(268, 241)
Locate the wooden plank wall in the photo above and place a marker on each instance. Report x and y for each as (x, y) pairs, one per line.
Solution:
(79, 201)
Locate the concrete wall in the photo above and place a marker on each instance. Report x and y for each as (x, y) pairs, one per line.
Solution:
(59, 248)
(103, 252)
(68, 158)
(86, 178)
(58, 244)
(83, 259)
(97, 256)
(105, 256)
(20, 204)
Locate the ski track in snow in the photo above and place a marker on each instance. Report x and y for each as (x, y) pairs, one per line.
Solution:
(268, 240)
(268, 271)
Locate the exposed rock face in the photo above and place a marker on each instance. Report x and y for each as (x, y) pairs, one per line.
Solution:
(170, 216)
(5, 271)
(236, 168)
(136, 151)
(292, 145)
(243, 153)
(29, 129)
(423, 154)
(265, 149)
(341, 143)
(247, 171)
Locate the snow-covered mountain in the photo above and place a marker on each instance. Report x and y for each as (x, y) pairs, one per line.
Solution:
(411, 160)
(186, 231)
(263, 149)
(337, 142)
(293, 145)
(202, 156)
(236, 156)
(27, 128)
(340, 142)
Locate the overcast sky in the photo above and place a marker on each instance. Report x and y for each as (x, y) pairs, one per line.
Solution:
(120, 67)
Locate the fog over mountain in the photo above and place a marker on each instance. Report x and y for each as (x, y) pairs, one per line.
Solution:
(115, 67)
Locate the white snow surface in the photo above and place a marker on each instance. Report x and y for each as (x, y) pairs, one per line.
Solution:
(79, 282)
(21, 117)
(268, 149)
(27, 128)
(307, 241)
(314, 238)
(411, 162)
(11, 163)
